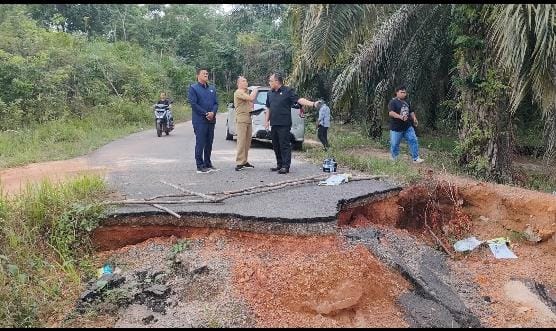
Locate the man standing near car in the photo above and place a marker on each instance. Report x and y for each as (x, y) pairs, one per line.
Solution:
(279, 102)
(204, 105)
(243, 103)
(323, 123)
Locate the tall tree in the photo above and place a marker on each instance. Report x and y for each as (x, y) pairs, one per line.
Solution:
(414, 41)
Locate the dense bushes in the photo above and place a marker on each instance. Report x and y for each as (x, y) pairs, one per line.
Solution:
(48, 75)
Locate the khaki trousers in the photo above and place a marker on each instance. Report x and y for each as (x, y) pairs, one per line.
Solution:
(244, 131)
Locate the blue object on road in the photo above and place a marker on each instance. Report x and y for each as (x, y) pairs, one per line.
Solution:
(107, 269)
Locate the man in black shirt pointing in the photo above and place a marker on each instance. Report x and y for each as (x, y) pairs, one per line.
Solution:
(279, 102)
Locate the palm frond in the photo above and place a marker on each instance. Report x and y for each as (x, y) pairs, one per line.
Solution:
(385, 54)
(328, 27)
(525, 39)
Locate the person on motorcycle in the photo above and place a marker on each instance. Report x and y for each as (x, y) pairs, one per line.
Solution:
(164, 100)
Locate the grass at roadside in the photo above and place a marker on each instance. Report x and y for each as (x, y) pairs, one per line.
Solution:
(344, 145)
(44, 248)
(70, 137)
(352, 148)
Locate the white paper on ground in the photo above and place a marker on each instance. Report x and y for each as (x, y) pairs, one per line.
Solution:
(467, 244)
(501, 251)
(335, 180)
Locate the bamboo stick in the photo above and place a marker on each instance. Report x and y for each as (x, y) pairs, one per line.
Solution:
(202, 195)
(169, 211)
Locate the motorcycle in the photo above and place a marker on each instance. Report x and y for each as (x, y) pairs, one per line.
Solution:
(162, 114)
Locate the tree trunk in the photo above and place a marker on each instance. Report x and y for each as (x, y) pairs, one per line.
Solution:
(550, 136)
(374, 113)
(485, 136)
(486, 131)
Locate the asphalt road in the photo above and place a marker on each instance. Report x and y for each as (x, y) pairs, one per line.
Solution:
(137, 163)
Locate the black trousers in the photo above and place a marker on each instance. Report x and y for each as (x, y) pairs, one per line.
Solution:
(322, 133)
(281, 143)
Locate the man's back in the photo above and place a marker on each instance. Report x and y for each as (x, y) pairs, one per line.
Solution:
(324, 116)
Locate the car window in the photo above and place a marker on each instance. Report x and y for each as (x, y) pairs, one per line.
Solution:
(261, 97)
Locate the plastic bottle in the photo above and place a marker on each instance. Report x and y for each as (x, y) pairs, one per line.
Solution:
(106, 269)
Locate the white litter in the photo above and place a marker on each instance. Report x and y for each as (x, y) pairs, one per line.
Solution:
(467, 244)
(335, 180)
(499, 248)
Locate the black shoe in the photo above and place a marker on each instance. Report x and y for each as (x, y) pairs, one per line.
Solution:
(212, 168)
(275, 169)
(239, 167)
(248, 165)
(284, 170)
(203, 170)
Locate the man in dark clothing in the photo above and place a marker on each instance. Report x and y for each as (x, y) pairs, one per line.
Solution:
(165, 103)
(204, 105)
(402, 120)
(279, 102)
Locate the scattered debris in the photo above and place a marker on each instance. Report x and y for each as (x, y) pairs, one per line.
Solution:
(148, 319)
(336, 179)
(484, 218)
(538, 235)
(467, 244)
(219, 197)
(499, 248)
(531, 235)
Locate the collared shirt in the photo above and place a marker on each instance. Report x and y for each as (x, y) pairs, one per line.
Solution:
(280, 103)
(324, 116)
(202, 98)
(243, 105)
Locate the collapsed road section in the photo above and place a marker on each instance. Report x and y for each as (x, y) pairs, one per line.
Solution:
(377, 259)
(316, 271)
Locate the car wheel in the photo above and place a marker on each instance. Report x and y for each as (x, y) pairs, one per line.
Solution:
(297, 145)
(229, 136)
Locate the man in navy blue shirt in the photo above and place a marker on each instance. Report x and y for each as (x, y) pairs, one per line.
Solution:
(204, 105)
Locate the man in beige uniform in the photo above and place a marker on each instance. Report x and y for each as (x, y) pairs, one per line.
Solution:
(243, 103)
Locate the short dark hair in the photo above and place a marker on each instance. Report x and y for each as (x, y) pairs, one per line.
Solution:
(201, 68)
(278, 77)
(400, 87)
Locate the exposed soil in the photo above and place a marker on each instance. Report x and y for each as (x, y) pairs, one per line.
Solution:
(13, 180)
(318, 281)
(488, 211)
(272, 280)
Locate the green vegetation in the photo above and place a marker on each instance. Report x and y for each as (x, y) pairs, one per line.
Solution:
(350, 149)
(45, 248)
(483, 72)
(76, 76)
(71, 136)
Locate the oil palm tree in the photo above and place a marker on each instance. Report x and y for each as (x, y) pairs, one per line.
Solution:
(501, 52)
(525, 39)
